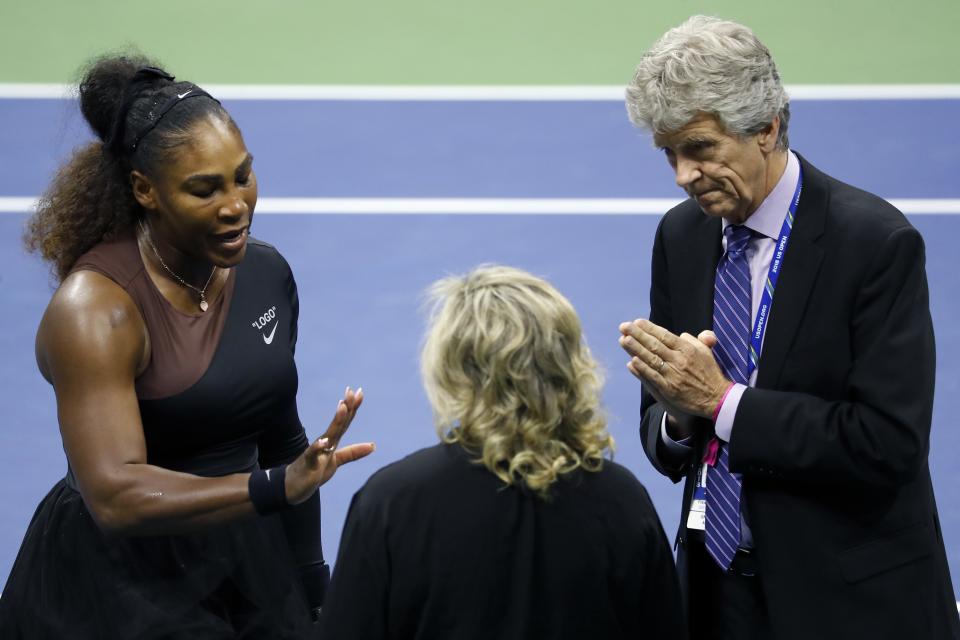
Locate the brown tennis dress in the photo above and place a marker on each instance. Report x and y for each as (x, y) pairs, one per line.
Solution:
(218, 397)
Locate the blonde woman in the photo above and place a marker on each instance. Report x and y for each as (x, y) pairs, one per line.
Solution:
(515, 525)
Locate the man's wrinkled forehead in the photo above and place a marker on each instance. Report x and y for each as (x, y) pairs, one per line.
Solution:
(701, 129)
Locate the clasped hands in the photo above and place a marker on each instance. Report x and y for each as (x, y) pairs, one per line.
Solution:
(679, 371)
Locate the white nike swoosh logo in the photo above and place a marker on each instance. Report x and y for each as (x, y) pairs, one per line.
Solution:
(184, 95)
(268, 339)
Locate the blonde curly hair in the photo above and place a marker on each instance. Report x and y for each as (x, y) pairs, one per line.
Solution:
(511, 379)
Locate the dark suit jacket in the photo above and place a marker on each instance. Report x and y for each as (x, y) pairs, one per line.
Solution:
(832, 443)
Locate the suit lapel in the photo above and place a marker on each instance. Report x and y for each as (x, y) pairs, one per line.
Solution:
(702, 273)
(800, 269)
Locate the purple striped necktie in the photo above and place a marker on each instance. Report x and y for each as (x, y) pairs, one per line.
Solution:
(731, 324)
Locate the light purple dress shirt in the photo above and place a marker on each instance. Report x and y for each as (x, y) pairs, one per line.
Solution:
(766, 223)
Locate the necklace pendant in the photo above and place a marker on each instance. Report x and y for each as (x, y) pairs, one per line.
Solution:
(203, 305)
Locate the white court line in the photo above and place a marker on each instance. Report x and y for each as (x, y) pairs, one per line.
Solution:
(495, 206)
(486, 206)
(545, 93)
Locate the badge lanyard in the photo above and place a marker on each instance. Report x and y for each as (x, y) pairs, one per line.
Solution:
(698, 506)
(776, 265)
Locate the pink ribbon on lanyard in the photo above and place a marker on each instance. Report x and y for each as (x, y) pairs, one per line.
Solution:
(713, 449)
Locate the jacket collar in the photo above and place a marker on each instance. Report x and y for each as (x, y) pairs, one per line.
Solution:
(800, 269)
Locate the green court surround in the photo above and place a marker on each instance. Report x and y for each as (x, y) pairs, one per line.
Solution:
(456, 42)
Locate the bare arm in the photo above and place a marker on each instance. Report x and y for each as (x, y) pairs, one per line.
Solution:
(91, 345)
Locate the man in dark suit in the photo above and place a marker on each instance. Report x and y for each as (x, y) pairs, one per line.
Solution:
(787, 366)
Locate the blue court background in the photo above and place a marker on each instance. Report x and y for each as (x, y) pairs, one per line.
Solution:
(361, 276)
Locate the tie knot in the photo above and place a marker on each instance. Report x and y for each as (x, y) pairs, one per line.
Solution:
(737, 238)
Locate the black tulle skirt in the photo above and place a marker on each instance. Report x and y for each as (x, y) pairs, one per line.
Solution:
(72, 581)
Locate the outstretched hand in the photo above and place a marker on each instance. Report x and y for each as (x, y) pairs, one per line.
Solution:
(680, 371)
(324, 456)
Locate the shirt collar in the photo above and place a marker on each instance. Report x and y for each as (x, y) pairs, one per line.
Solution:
(767, 220)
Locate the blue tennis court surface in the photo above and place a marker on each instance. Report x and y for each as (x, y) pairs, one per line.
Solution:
(361, 277)
(895, 148)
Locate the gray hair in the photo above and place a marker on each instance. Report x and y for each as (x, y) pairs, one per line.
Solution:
(708, 65)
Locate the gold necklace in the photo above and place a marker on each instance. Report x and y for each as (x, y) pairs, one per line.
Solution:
(201, 292)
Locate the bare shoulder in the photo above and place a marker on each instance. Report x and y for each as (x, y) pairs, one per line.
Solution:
(91, 323)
